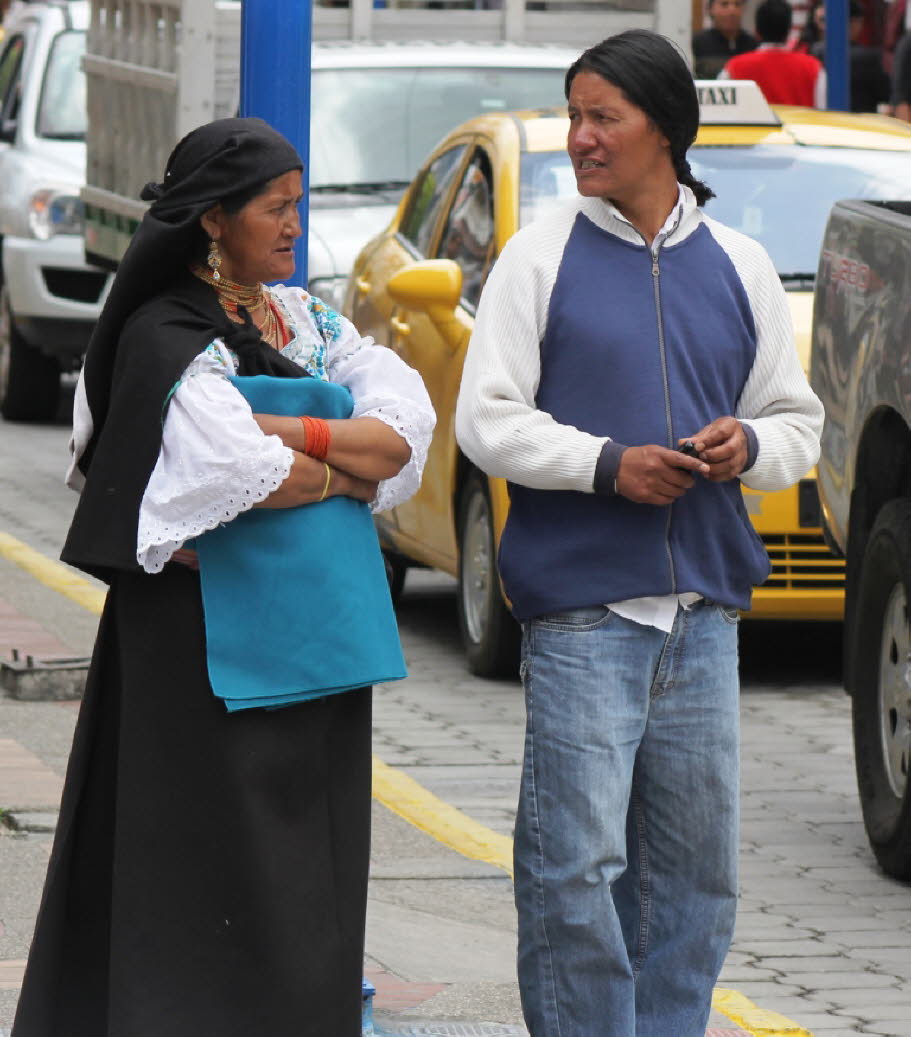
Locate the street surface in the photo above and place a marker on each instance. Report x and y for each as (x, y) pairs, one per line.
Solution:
(823, 937)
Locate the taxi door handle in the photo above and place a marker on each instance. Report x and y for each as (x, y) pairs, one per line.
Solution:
(401, 327)
(362, 286)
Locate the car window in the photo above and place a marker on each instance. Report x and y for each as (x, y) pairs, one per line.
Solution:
(10, 64)
(62, 108)
(377, 125)
(545, 178)
(427, 197)
(468, 237)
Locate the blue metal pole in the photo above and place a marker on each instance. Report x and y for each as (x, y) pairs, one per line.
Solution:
(275, 42)
(838, 74)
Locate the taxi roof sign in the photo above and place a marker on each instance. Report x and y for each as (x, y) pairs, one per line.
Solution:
(733, 102)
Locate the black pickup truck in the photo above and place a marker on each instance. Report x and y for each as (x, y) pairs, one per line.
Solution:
(861, 368)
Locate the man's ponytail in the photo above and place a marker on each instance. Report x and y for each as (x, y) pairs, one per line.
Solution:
(701, 190)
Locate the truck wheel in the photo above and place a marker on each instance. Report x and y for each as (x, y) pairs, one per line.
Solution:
(490, 635)
(29, 380)
(881, 649)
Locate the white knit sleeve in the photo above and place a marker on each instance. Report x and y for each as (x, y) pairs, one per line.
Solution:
(777, 401)
(215, 461)
(498, 424)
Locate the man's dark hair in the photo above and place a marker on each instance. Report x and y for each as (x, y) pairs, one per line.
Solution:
(653, 75)
(773, 21)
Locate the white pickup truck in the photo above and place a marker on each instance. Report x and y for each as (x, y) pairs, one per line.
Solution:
(49, 296)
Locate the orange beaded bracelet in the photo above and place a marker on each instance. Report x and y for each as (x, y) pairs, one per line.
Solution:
(316, 437)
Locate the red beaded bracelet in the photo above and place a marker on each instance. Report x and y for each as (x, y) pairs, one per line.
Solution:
(316, 437)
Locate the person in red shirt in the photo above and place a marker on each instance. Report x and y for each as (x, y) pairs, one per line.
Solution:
(784, 76)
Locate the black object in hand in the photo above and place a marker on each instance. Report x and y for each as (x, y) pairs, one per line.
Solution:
(689, 448)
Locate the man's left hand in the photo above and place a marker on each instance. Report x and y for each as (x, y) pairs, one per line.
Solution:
(722, 444)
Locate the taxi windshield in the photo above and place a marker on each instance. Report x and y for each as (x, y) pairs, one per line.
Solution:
(778, 194)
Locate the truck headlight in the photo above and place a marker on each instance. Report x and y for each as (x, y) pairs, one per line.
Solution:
(53, 212)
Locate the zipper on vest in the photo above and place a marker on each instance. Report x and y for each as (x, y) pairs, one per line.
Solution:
(656, 284)
(656, 287)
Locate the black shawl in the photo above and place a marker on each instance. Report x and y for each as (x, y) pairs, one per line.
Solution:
(157, 318)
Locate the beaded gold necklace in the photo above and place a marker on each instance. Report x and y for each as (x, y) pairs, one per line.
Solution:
(253, 297)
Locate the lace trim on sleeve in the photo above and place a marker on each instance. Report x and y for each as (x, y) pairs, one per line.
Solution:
(215, 462)
(160, 536)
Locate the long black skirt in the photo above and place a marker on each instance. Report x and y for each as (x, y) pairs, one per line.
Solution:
(209, 872)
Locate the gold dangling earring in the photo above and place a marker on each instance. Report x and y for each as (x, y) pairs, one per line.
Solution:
(213, 261)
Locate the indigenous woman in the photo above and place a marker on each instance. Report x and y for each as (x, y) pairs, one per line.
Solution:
(210, 865)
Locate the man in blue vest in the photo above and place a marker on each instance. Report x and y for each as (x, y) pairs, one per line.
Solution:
(613, 332)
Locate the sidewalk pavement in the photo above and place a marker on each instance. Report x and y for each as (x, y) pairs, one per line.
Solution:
(441, 927)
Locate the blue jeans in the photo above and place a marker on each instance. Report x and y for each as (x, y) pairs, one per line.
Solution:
(627, 830)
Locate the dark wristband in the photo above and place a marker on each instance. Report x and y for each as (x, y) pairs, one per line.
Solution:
(605, 481)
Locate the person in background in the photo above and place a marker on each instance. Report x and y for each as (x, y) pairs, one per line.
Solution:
(869, 84)
(901, 82)
(621, 327)
(784, 76)
(813, 30)
(726, 37)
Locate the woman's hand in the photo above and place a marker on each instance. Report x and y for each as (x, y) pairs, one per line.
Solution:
(310, 481)
(365, 447)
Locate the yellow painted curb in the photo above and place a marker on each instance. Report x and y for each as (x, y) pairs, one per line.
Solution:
(448, 825)
(757, 1021)
(404, 796)
(55, 575)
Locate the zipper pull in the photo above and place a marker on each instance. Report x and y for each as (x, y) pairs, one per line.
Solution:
(654, 266)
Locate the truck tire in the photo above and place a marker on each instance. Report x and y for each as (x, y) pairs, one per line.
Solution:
(490, 636)
(29, 380)
(881, 642)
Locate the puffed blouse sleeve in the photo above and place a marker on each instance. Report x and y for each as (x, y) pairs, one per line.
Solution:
(382, 384)
(215, 461)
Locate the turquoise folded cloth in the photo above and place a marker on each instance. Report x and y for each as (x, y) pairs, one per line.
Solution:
(296, 600)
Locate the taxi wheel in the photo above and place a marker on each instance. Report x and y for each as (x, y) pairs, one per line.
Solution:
(881, 702)
(490, 636)
(396, 571)
(29, 380)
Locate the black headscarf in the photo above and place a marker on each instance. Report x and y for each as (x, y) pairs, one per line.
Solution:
(157, 318)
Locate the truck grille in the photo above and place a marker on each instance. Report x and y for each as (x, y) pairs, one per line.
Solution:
(78, 285)
(803, 561)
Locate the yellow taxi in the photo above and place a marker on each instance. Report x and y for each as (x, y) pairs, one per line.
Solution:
(776, 172)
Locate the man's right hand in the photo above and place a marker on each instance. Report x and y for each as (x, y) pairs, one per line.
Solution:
(655, 475)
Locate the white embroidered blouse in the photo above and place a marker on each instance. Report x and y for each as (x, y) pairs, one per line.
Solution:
(216, 462)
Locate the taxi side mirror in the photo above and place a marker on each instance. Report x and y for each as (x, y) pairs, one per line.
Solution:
(432, 284)
(434, 287)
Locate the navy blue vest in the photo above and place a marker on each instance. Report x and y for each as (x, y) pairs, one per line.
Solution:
(602, 370)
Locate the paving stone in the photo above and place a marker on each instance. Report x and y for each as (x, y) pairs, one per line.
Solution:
(787, 949)
(857, 997)
(827, 982)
